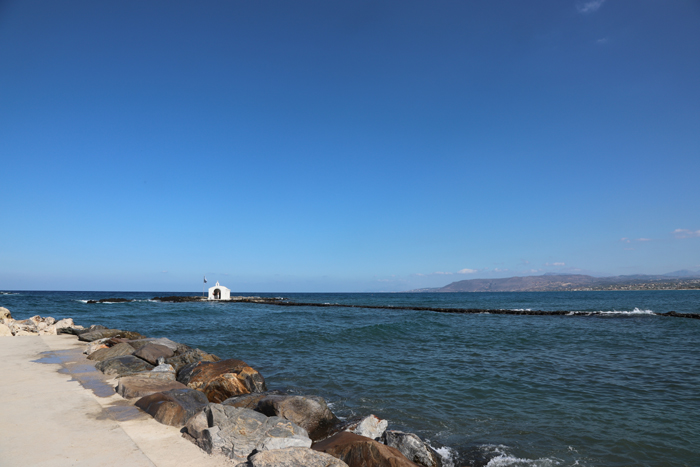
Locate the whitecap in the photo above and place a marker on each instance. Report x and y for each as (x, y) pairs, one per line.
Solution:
(504, 460)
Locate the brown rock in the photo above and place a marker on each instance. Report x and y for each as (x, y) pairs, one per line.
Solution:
(359, 451)
(223, 379)
(130, 387)
(173, 407)
(152, 352)
(118, 350)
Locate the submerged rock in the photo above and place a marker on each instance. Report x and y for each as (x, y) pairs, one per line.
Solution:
(309, 412)
(360, 451)
(123, 366)
(174, 407)
(295, 457)
(222, 379)
(414, 448)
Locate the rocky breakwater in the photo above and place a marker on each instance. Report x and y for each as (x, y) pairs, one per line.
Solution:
(225, 408)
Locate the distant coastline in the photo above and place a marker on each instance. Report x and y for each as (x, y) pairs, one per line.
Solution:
(571, 283)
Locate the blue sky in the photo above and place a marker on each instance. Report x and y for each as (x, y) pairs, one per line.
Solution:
(345, 146)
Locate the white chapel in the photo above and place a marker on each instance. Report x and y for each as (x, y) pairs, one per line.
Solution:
(219, 292)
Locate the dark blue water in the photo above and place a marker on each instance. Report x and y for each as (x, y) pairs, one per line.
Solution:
(618, 388)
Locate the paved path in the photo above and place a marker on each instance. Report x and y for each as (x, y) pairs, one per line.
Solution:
(57, 410)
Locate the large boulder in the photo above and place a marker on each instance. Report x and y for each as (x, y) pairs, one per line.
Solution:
(102, 333)
(140, 343)
(123, 366)
(414, 448)
(58, 326)
(309, 412)
(24, 327)
(118, 350)
(42, 323)
(360, 451)
(152, 352)
(187, 356)
(174, 407)
(223, 379)
(237, 432)
(94, 346)
(5, 330)
(5, 313)
(250, 401)
(294, 457)
(130, 387)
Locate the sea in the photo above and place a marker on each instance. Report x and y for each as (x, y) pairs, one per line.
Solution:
(619, 386)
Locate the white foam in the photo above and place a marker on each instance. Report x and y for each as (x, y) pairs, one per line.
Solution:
(82, 301)
(447, 455)
(636, 311)
(504, 460)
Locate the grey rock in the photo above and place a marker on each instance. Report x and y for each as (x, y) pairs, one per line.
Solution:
(152, 352)
(309, 412)
(123, 366)
(102, 333)
(295, 457)
(130, 387)
(370, 426)
(414, 448)
(190, 356)
(197, 424)
(237, 432)
(119, 350)
(93, 346)
(5, 313)
(250, 401)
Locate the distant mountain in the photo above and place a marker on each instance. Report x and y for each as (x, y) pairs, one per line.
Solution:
(683, 273)
(570, 282)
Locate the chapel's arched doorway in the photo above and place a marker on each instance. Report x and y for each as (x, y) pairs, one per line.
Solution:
(217, 294)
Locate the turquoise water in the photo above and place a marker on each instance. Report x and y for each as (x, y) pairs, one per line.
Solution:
(618, 388)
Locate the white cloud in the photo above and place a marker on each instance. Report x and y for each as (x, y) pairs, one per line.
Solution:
(685, 233)
(555, 264)
(442, 273)
(644, 239)
(466, 271)
(500, 270)
(625, 239)
(602, 40)
(590, 6)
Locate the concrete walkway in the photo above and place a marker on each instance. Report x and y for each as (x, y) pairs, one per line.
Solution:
(57, 410)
